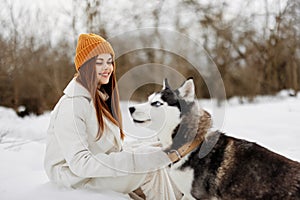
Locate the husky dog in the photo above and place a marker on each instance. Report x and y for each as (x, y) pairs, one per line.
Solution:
(217, 166)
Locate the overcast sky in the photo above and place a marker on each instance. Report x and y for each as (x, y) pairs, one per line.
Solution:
(116, 8)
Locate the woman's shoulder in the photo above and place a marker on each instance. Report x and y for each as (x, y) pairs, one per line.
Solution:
(75, 89)
(76, 101)
(77, 106)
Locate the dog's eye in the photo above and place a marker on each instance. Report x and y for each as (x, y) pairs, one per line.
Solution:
(156, 104)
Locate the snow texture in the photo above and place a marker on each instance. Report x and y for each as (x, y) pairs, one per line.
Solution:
(272, 122)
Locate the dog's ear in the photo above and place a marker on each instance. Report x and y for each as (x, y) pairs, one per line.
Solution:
(187, 90)
(166, 84)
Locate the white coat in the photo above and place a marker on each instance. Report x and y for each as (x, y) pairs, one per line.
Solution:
(75, 159)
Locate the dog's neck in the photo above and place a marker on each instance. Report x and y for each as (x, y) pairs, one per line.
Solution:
(193, 126)
(205, 124)
(181, 149)
(164, 134)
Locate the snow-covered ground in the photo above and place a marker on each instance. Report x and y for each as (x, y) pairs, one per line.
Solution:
(270, 121)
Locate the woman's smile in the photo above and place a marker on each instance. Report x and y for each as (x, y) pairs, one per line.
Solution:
(105, 74)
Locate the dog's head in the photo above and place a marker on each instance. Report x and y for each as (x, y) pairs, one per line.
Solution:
(164, 110)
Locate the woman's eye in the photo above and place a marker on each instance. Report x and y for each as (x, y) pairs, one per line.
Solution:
(99, 63)
(156, 104)
(109, 63)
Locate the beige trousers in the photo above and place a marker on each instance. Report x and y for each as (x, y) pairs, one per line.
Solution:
(159, 185)
(155, 185)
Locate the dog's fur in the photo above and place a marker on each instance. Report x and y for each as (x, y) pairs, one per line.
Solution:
(229, 168)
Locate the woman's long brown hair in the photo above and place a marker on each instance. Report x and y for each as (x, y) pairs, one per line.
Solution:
(111, 107)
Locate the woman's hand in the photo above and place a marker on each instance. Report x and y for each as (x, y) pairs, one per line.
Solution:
(147, 155)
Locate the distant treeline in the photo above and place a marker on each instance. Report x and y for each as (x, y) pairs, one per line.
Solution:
(255, 54)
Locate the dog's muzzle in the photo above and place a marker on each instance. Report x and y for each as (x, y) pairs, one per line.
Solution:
(140, 121)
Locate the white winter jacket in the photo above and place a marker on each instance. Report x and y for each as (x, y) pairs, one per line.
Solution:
(73, 156)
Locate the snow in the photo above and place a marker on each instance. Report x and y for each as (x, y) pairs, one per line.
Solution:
(269, 121)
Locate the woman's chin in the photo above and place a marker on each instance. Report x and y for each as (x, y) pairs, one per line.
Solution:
(104, 81)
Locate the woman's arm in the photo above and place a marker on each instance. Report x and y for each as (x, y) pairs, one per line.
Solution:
(70, 131)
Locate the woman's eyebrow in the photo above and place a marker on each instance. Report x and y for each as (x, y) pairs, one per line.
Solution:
(101, 59)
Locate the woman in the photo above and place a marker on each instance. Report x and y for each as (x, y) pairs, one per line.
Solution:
(84, 142)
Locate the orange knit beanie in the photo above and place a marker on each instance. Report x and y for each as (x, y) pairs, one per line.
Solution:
(90, 45)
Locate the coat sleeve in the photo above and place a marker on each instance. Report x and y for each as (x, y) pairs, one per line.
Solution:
(70, 131)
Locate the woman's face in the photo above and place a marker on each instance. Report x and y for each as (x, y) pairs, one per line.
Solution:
(104, 68)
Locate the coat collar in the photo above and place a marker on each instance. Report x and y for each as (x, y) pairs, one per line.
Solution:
(75, 89)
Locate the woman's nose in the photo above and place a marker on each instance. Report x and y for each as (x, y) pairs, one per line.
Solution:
(105, 66)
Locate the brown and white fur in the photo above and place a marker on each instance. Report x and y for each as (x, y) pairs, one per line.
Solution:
(223, 167)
